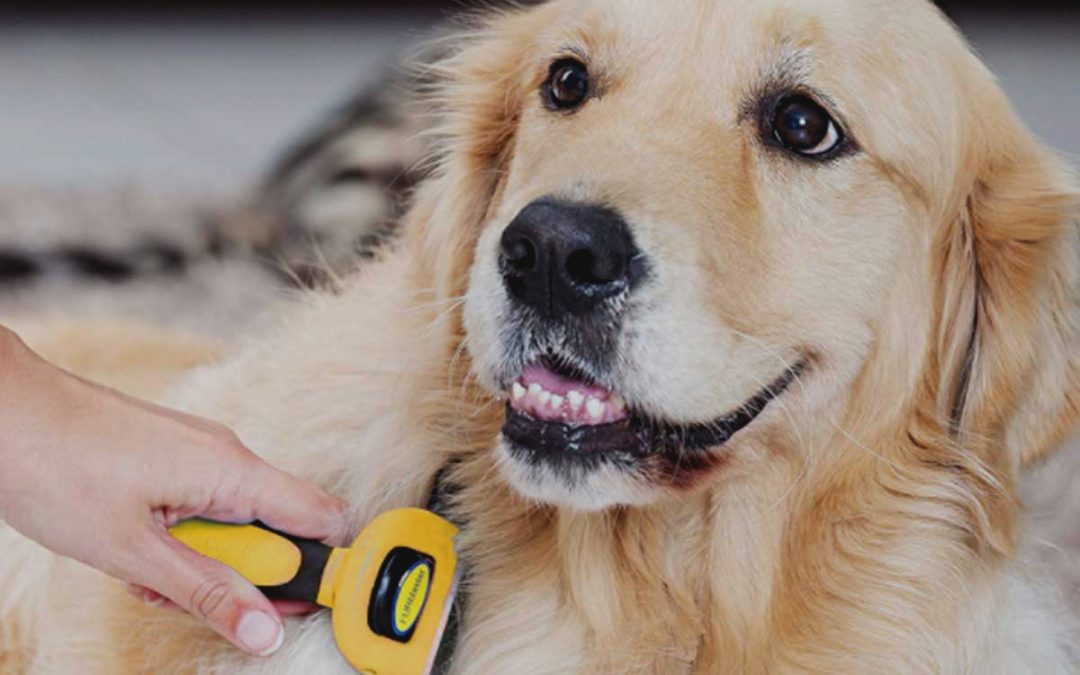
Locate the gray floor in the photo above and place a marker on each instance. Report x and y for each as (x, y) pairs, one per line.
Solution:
(204, 105)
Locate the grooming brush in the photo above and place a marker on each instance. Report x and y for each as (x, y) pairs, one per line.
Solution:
(389, 594)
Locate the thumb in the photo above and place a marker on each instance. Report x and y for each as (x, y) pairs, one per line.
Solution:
(292, 505)
(212, 593)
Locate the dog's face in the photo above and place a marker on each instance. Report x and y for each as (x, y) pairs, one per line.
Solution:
(706, 214)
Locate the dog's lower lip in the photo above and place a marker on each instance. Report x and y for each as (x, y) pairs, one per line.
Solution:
(634, 435)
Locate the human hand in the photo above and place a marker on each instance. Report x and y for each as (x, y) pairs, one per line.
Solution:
(99, 476)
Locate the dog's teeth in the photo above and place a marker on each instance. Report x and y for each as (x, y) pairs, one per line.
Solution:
(557, 401)
(517, 391)
(618, 402)
(544, 397)
(595, 409)
(535, 389)
(576, 400)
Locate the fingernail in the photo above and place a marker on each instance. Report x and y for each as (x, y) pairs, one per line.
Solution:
(260, 633)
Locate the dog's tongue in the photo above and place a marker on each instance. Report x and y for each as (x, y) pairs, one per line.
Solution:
(549, 396)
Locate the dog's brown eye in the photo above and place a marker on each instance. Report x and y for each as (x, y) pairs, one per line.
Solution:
(567, 86)
(803, 126)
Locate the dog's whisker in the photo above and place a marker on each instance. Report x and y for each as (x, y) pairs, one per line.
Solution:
(453, 302)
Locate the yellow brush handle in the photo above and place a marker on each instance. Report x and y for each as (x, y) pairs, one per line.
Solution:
(390, 592)
(284, 567)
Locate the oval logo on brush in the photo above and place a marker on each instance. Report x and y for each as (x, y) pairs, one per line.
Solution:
(412, 594)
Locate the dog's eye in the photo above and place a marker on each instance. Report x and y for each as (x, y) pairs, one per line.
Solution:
(567, 85)
(803, 126)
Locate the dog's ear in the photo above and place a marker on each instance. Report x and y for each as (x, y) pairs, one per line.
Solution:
(478, 91)
(1008, 341)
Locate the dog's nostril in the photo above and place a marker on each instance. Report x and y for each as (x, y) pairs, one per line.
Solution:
(519, 254)
(585, 267)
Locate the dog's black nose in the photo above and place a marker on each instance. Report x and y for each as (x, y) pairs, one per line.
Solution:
(567, 257)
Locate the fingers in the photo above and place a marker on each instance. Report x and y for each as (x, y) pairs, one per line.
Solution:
(246, 488)
(292, 505)
(212, 593)
(283, 607)
(153, 598)
(294, 607)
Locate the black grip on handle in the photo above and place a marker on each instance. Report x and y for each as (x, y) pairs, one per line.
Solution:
(305, 585)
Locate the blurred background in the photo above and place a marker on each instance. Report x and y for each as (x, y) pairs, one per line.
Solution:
(201, 95)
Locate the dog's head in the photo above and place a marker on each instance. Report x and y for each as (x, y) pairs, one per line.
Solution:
(689, 234)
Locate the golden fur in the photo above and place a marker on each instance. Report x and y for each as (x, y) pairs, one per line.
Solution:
(868, 521)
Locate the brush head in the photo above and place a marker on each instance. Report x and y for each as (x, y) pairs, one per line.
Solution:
(391, 592)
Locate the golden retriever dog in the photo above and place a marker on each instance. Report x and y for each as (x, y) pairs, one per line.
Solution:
(733, 324)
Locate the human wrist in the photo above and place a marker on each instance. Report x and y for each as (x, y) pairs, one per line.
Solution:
(16, 357)
(11, 345)
(22, 381)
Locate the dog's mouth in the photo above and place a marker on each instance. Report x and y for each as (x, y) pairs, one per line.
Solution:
(555, 411)
(552, 392)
